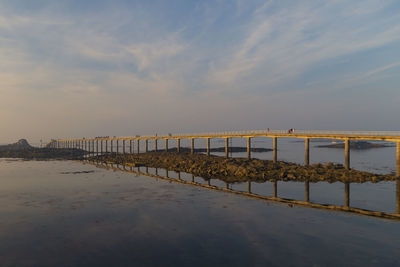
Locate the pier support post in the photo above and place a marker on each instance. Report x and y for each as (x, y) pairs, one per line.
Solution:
(249, 186)
(147, 145)
(123, 146)
(208, 146)
(398, 159)
(155, 145)
(178, 145)
(138, 146)
(166, 145)
(226, 147)
(111, 146)
(192, 146)
(130, 147)
(192, 178)
(249, 147)
(101, 146)
(97, 147)
(398, 196)
(307, 188)
(347, 153)
(307, 148)
(275, 148)
(106, 146)
(276, 188)
(117, 146)
(346, 194)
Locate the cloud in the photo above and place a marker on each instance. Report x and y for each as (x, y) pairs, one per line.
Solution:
(280, 46)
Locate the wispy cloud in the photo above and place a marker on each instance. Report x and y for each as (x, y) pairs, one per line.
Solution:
(283, 45)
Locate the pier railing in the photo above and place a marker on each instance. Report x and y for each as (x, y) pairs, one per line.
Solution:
(271, 132)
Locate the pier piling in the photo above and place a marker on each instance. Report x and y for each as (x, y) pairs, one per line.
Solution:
(398, 159)
(398, 196)
(347, 153)
(227, 147)
(275, 148)
(248, 147)
(307, 148)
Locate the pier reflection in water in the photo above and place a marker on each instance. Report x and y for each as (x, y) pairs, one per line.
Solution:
(219, 185)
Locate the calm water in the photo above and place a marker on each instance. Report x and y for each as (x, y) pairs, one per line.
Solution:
(65, 213)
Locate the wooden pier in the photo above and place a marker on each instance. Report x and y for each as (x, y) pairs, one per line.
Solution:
(112, 144)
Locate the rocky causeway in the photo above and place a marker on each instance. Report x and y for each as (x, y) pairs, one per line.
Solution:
(242, 169)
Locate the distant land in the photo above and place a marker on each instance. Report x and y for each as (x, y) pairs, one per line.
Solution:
(22, 149)
(357, 145)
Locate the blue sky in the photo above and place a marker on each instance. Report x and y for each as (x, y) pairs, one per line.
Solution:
(90, 68)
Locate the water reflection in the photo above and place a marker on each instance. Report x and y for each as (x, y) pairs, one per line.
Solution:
(346, 207)
(398, 196)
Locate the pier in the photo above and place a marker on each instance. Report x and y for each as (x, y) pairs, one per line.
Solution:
(112, 144)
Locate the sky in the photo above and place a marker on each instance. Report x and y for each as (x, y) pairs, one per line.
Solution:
(73, 68)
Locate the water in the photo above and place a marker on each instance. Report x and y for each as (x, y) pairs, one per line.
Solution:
(65, 213)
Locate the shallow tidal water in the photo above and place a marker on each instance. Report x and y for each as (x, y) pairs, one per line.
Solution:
(65, 213)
